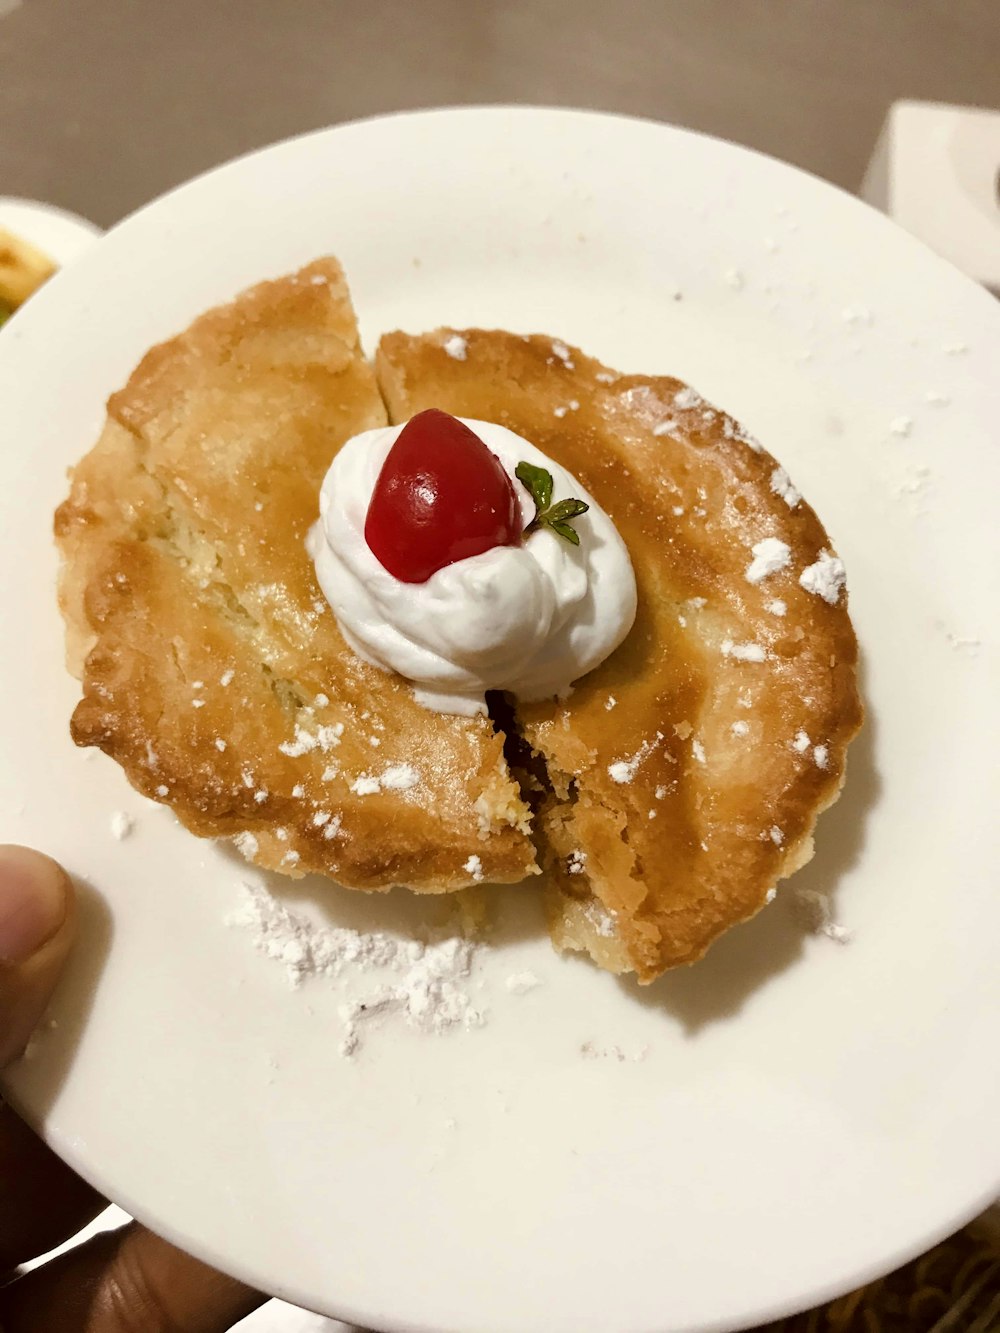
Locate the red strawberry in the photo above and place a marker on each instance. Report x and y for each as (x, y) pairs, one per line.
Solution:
(441, 496)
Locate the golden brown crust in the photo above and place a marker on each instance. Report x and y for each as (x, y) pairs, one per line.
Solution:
(723, 762)
(212, 669)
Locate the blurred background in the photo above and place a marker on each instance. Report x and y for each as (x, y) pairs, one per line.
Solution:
(107, 103)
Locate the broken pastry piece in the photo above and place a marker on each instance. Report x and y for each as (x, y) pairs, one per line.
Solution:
(213, 670)
(682, 777)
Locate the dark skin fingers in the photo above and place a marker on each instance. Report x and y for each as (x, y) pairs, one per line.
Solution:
(42, 1202)
(125, 1281)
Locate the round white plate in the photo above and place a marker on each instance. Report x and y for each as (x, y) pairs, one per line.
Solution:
(807, 1114)
(62, 236)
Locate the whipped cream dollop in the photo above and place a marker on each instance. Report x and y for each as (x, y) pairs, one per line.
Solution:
(529, 619)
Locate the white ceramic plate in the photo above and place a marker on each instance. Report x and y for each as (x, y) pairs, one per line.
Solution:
(807, 1114)
(61, 235)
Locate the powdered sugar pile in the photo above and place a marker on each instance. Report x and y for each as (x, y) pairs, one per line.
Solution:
(456, 347)
(770, 556)
(781, 484)
(122, 824)
(400, 777)
(825, 578)
(430, 985)
(743, 652)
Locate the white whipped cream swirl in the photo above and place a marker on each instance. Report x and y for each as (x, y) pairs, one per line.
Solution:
(529, 619)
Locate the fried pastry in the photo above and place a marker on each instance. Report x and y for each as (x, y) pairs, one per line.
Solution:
(682, 778)
(213, 671)
(667, 793)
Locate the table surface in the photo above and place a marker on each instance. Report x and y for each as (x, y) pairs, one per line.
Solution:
(106, 103)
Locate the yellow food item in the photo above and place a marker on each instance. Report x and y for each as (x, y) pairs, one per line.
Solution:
(23, 269)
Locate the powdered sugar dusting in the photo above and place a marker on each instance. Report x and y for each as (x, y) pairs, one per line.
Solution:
(770, 556)
(520, 983)
(781, 484)
(825, 578)
(325, 738)
(687, 398)
(743, 652)
(732, 430)
(246, 844)
(122, 824)
(429, 984)
(474, 867)
(456, 346)
(398, 777)
(624, 770)
(590, 1050)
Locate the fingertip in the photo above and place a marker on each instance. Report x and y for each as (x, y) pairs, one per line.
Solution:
(36, 898)
(37, 925)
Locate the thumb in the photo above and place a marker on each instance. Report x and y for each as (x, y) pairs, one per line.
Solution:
(36, 930)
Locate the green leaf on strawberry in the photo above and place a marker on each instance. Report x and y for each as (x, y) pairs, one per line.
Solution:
(538, 482)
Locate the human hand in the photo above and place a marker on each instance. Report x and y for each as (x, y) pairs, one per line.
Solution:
(119, 1281)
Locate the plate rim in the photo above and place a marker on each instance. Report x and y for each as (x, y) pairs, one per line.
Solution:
(525, 110)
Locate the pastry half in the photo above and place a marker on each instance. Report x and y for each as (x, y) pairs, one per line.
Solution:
(683, 777)
(212, 669)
